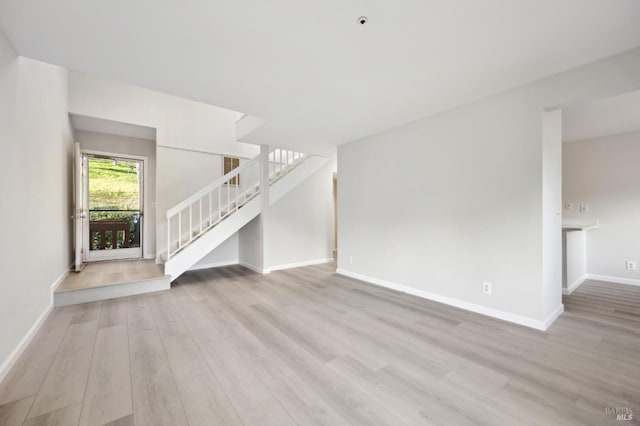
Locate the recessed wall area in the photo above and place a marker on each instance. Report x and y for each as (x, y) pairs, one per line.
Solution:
(601, 185)
(124, 145)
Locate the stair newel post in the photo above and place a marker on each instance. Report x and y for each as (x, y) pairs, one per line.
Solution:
(264, 176)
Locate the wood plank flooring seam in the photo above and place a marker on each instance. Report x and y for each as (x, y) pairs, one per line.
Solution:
(95, 342)
(48, 369)
(126, 312)
(208, 366)
(170, 368)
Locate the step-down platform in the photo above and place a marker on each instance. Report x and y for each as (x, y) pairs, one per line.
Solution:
(110, 280)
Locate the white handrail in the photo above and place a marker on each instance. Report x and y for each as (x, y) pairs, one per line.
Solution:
(213, 185)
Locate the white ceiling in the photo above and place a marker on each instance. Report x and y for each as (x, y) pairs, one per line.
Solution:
(604, 117)
(99, 125)
(308, 67)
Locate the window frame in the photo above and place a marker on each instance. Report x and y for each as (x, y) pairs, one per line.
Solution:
(234, 181)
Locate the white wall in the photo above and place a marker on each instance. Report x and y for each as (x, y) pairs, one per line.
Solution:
(180, 122)
(551, 212)
(449, 201)
(574, 246)
(36, 146)
(299, 226)
(604, 174)
(227, 253)
(251, 245)
(190, 136)
(130, 146)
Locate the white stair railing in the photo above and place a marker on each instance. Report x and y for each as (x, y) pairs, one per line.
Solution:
(212, 204)
(281, 161)
(205, 209)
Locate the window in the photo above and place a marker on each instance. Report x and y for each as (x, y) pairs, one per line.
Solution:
(228, 165)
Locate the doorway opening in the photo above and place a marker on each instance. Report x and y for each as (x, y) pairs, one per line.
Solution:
(600, 196)
(114, 190)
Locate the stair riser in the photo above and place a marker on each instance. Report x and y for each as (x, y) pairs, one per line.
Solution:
(85, 295)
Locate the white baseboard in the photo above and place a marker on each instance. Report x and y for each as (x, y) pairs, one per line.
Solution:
(8, 363)
(19, 349)
(495, 313)
(553, 316)
(59, 280)
(617, 280)
(567, 291)
(255, 268)
(258, 269)
(300, 264)
(213, 265)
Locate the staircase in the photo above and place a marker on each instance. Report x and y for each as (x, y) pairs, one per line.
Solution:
(209, 217)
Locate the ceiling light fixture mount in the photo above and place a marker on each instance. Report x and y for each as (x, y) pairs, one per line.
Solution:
(363, 20)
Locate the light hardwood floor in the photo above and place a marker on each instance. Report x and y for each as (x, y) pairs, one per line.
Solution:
(98, 274)
(305, 346)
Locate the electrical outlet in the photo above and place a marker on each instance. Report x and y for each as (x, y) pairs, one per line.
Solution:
(351, 260)
(584, 208)
(486, 287)
(631, 265)
(568, 206)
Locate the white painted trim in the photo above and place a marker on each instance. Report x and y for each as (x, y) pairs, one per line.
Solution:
(495, 313)
(59, 280)
(10, 361)
(553, 316)
(210, 265)
(617, 280)
(260, 270)
(15, 354)
(145, 205)
(300, 264)
(567, 291)
(119, 156)
(255, 268)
